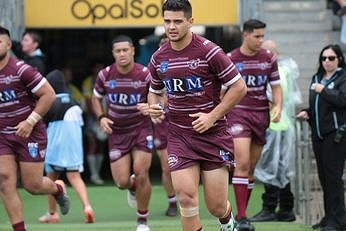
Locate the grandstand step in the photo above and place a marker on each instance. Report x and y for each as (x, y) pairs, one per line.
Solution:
(298, 5)
(301, 26)
(307, 16)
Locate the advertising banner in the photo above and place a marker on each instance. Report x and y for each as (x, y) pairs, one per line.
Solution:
(120, 13)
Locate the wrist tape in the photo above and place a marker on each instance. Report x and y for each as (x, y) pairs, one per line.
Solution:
(33, 118)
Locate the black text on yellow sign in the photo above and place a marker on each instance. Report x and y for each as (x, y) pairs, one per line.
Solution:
(120, 13)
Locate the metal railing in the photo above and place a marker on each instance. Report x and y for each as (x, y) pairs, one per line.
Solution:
(301, 183)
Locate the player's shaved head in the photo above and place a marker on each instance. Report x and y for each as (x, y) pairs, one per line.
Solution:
(270, 45)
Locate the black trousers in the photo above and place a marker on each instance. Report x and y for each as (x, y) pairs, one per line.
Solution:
(274, 196)
(330, 158)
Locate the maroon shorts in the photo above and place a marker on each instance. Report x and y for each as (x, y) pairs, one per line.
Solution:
(160, 135)
(247, 123)
(140, 138)
(211, 150)
(32, 149)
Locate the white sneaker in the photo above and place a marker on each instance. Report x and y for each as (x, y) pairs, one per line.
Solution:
(131, 198)
(230, 226)
(142, 227)
(131, 195)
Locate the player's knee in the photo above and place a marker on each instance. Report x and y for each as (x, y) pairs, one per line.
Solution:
(32, 187)
(187, 201)
(216, 211)
(142, 178)
(242, 168)
(122, 184)
(219, 209)
(189, 212)
(5, 183)
(73, 176)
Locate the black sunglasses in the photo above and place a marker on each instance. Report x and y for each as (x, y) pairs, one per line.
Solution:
(330, 58)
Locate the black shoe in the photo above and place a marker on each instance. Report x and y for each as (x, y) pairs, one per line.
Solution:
(171, 211)
(264, 215)
(244, 224)
(285, 215)
(320, 224)
(329, 228)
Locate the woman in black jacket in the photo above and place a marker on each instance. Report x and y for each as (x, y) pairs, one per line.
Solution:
(327, 117)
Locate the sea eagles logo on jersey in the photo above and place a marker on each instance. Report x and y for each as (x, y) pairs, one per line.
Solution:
(136, 84)
(239, 66)
(163, 66)
(263, 66)
(8, 79)
(172, 160)
(193, 64)
(112, 84)
(33, 149)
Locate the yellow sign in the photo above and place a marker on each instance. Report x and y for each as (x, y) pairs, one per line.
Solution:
(120, 13)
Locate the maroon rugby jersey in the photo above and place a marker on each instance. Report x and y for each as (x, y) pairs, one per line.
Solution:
(18, 82)
(192, 78)
(257, 71)
(123, 92)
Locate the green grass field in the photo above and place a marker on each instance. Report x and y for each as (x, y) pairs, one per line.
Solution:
(113, 214)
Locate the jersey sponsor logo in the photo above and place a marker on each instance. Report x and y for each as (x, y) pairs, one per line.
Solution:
(124, 99)
(225, 155)
(188, 84)
(33, 149)
(255, 80)
(193, 64)
(86, 10)
(239, 66)
(172, 160)
(7, 95)
(150, 142)
(112, 84)
(163, 66)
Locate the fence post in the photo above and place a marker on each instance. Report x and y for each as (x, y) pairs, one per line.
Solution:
(302, 181)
